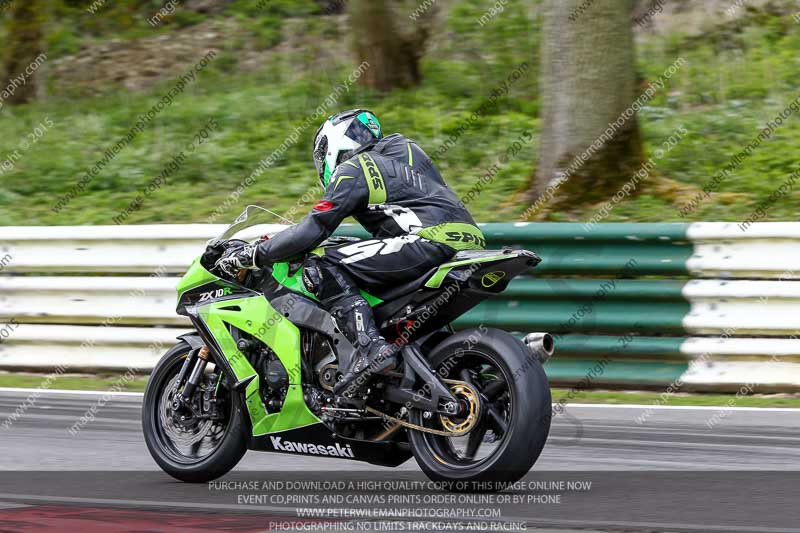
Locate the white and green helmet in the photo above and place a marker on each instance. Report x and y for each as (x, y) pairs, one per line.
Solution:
(340, 136)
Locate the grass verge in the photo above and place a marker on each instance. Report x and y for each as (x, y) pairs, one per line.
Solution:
(734, 79)
(100, 382)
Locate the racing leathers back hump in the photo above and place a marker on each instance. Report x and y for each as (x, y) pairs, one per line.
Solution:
(407, 195)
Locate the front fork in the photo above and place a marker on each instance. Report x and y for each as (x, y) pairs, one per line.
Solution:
(193, 366)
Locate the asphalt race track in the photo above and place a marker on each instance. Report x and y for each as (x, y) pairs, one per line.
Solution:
(602, 470)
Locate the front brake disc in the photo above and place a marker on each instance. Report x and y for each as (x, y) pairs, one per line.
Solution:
(180, 435)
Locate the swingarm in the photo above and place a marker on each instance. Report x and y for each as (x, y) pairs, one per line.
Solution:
(433, 396)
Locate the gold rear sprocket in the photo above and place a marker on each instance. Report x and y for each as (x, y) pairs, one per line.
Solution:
(455, 427)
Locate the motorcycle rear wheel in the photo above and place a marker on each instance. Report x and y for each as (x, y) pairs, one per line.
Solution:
(514, 413)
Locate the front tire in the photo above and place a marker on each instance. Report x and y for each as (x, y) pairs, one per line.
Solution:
(515, 413)
(183, 459)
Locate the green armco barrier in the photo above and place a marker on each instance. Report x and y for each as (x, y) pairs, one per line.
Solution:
(649, 300)
(509, 232)
(624, 348)
(713, 304)
(566, 316)
(620, 347)
(561, 305)
(589, 289)
(591, 373)
(568, 248)
(512, 232)
(633, 249)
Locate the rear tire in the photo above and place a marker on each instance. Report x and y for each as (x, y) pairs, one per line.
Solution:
(226, 453)
(526, 416)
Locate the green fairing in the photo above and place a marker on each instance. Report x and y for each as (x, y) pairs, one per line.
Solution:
(194, 277)
(257, 317)
(280, 271)
(439, 275)
(371, 300)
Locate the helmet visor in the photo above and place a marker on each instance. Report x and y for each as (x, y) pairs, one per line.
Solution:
(360, 133)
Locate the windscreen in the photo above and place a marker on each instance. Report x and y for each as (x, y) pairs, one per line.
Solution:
(255, 222)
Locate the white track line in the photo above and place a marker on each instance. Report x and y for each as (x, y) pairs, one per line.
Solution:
(4, 505)
(681, 407)
(570, 405)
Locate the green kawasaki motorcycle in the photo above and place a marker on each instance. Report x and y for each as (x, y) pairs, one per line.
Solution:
(258, 373)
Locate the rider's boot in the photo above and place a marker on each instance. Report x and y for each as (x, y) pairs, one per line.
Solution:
(373, 354)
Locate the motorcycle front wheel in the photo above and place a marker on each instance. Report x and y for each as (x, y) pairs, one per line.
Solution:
(191, 446)
(507, 405)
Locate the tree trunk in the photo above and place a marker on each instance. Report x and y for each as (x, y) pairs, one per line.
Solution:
(590, 142)
(393, 54)
(25, 34)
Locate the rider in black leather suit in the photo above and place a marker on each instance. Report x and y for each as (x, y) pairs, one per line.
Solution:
(392, 188)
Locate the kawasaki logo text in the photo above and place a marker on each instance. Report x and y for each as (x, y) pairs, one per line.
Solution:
(301, 447)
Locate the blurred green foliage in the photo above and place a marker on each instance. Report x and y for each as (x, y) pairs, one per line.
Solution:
(736, 77)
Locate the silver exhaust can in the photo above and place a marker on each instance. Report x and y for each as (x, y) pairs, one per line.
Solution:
(541, 345)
